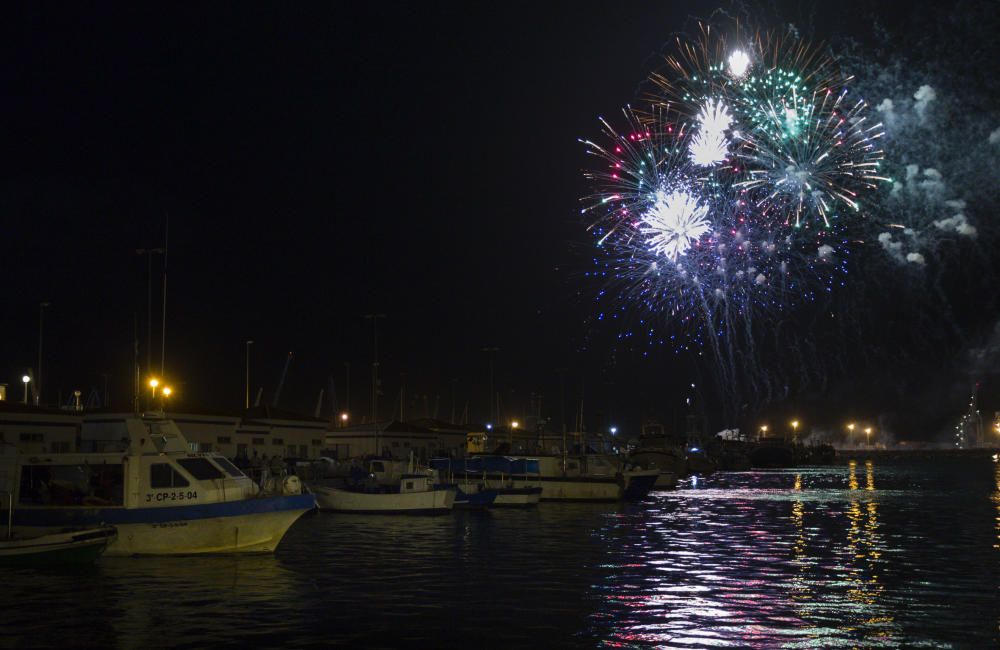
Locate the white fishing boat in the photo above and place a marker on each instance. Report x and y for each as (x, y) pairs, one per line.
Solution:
(162, 498)
(379, 487)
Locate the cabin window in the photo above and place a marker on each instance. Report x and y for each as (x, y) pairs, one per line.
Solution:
(32, 437)
(231, 469)
(200, 468)
(223, 440)
(258, 441)
(277, 442)
(315, 443)
(409, 485)
(378, 467)
(61, 447)
(572, 465)
(304, 451)
(72, 485)
(395, 443)
(163, 475)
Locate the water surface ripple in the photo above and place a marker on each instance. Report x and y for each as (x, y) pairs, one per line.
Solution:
(867, 554)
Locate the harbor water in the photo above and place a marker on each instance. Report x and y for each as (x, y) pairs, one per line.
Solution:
(866, 554)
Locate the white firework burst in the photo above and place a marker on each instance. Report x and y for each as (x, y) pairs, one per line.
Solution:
(674, 221)
(710, 145)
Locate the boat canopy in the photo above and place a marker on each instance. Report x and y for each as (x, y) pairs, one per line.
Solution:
(487, 464)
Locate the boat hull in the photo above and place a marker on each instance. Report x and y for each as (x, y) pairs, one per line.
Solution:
(517, 497)
(246, 526)
(427, 502)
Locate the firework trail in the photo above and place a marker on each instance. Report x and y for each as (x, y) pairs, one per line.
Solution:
(730, 200)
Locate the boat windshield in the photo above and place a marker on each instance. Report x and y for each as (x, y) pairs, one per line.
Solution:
(72, 485)
(200, 468)
(231, 469)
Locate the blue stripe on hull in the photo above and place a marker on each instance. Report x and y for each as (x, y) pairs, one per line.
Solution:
(80, 516)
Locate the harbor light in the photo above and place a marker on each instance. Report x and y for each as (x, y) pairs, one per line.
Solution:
(25, 379)
(614, 430)
(166, 391)
(154, 382)
(343, 419)
(513, 424)
(489, 427)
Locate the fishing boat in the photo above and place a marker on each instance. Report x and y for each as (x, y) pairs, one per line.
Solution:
(379, 487)
(162, 498)
(68, 547)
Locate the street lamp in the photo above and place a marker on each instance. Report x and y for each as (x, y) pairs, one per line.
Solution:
(795, 431)
(763, 430)
(513, 425)
(614, 430)
(153, 383)
(850, 436)
(246, 400)
(38, 384)
(166, 391)
(868, 436)
(343, 419)
(25, 379)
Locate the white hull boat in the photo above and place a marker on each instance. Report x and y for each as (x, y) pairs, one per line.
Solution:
(161, 498)
(424, 502)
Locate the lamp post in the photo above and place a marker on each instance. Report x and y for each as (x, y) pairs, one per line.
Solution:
(343, 420)
(868, 436)
(38, 382)
(246, 400)
(510, 440)
(149, 252)
(850, 435)
(492, 352)
(25, 380)
(795, 432)
(374, 319)
(763, 430)
(153, 383)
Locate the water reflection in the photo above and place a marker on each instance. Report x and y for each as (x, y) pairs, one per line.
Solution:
(859, 555)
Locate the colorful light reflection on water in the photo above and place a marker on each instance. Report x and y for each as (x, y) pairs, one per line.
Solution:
(867, 554)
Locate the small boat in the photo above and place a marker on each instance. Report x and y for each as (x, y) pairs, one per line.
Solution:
(578, 477)
(162, 498)
(472, 496)
(377, 489)
(71, 547)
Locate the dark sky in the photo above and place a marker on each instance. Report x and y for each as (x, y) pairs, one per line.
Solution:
(319, 162)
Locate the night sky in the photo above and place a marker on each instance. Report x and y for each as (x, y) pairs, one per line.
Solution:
(322, 162)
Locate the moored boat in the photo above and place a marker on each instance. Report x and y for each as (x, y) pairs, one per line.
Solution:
(484, 481)
(582, 477)
(70, 547)
(162, 498)
(378, 488)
